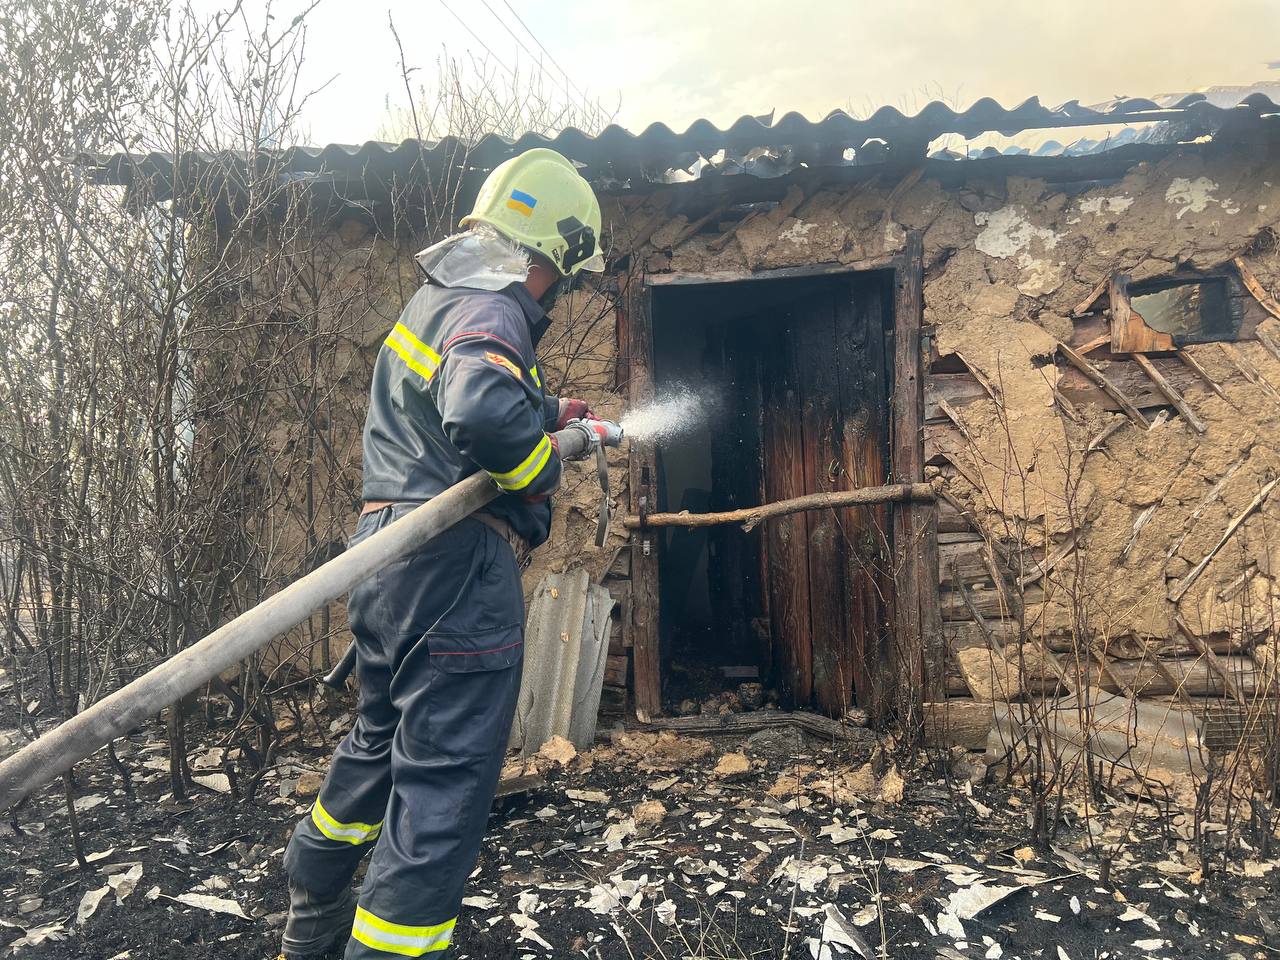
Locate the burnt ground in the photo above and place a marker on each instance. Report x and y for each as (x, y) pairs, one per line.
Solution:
(653, 847)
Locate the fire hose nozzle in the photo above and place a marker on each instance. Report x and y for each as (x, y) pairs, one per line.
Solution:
(580, 437)
(611, 434)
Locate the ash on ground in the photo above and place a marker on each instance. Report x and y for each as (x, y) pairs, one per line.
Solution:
(655, 845)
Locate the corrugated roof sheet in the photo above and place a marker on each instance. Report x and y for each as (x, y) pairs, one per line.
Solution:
(617, 158)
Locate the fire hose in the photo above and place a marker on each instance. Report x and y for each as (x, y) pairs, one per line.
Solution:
(611, 435)
(58, 750)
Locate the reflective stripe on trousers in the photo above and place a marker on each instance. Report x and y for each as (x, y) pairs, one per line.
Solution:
(440, 638)
(388, 937)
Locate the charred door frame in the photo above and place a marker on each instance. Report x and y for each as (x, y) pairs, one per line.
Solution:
(916, 666)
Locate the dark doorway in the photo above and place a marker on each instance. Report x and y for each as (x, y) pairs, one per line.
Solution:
(794, 374)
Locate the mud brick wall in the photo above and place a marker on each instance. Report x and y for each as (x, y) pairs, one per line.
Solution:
(1068, 527)
(1069, 544)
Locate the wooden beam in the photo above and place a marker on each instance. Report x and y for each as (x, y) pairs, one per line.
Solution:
(785, 208)
(1269, 342)
(685, 277)
(958, 722)
(1185, 583)
(717, 244)
(1213, 494)
(645, 638)
(951, 414)
(1114, 392)
(1103, 436)
(1191, 677)
(1086, 305)
(1118, 296)
(850, 729)
(1067, 406)
(692, 227)
(1125, 374)
(1211, 658)
(1255, 287)
(864, 397)
(1194, 365)
(909, 180)
(857, 193)
(658, 219)
(1044, 568)
(1143, 519)
(1093, 344)
(981, 377)
(1170, 392)
(1248, 370)
(919, 661)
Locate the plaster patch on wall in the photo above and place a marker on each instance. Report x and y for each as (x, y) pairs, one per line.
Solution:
(797, 232)
(1095, 205)
(1194, 195)
(1008, 233)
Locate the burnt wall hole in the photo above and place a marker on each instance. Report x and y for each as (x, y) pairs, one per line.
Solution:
(1200, 309)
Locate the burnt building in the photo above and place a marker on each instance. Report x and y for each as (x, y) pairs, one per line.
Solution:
(1065, 320)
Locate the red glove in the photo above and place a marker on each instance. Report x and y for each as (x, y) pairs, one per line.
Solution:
(571, 409)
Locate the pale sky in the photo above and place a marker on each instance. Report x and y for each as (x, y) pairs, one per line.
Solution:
(676, 62)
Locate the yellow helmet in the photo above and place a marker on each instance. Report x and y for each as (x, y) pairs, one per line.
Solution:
(539, 201)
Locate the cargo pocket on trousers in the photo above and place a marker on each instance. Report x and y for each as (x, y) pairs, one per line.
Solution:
(477, 653)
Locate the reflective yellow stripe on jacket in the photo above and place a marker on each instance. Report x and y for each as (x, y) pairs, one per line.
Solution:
(373, 931)
(353, 833)
(420, 358)
(530, 467)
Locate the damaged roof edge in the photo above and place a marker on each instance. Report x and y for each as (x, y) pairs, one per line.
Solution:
(617, 158)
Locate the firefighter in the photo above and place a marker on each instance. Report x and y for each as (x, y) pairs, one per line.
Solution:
(440, 633)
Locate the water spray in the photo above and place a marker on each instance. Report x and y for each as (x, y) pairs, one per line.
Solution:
(677, 412)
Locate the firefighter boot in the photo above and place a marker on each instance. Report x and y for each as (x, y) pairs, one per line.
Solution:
(315, 925)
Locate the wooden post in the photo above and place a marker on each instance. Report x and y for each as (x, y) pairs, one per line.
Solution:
(645, 623)
(918, 663)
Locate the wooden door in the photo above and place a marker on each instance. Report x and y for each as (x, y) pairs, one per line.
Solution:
(824, 403)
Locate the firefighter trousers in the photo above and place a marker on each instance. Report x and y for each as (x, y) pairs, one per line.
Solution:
(440, 638)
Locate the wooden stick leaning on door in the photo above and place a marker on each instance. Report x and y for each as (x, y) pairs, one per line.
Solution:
(751, 517)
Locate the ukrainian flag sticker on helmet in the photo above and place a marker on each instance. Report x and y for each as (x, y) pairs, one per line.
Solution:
(521, 202)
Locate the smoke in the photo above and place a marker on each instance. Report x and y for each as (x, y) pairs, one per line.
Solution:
(677, 411)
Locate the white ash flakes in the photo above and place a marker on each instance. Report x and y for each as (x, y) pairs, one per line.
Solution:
(616, 893)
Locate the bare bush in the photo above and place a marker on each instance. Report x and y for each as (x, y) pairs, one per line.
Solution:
(184, 358)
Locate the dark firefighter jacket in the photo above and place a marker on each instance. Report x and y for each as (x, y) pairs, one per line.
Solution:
(456, 389)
